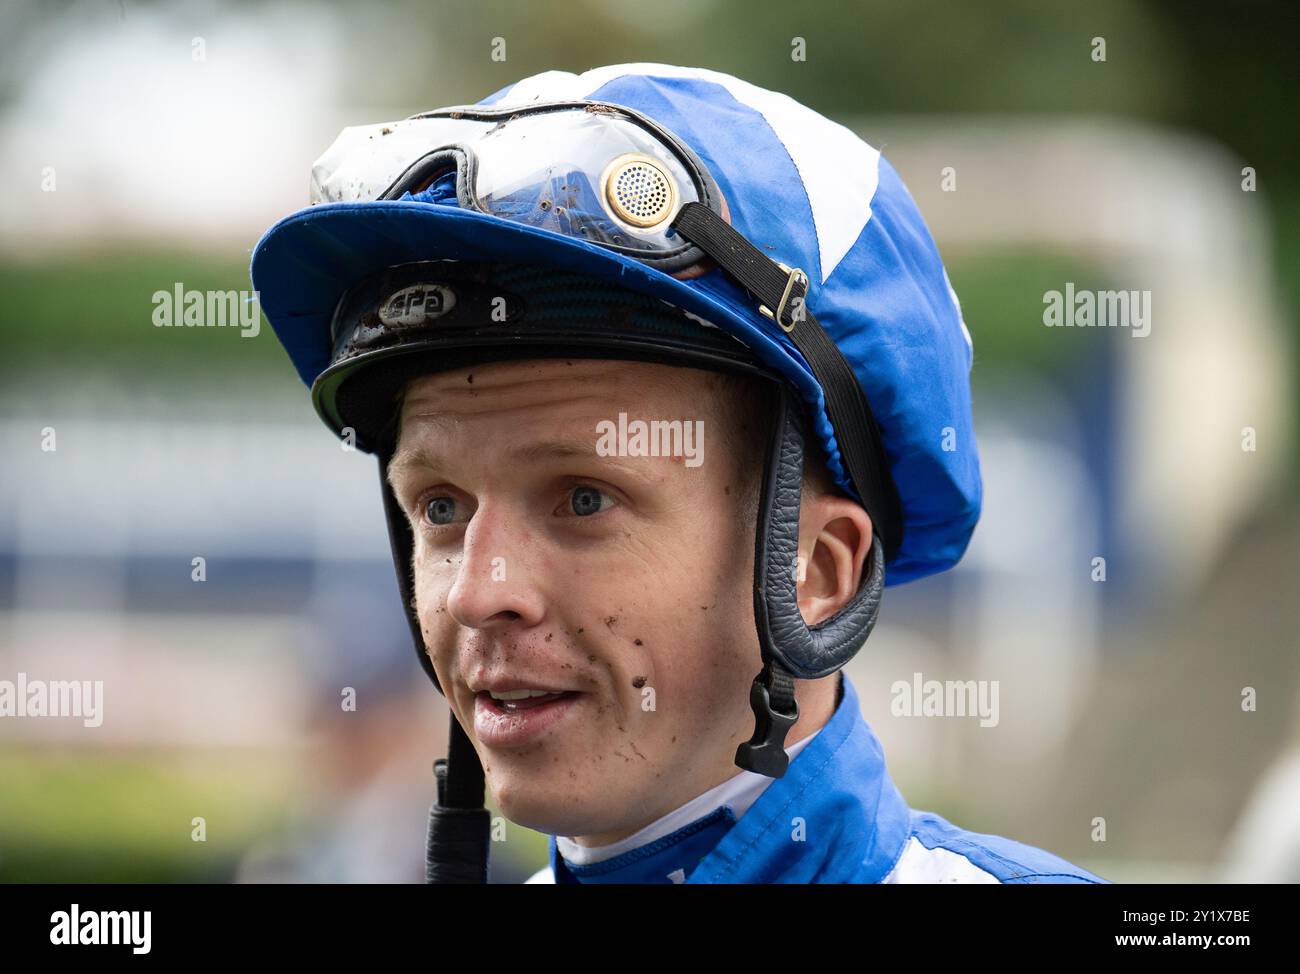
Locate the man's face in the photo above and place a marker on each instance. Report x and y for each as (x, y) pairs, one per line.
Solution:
(623, 581)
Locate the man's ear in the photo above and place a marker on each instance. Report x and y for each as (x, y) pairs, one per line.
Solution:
(834, 544)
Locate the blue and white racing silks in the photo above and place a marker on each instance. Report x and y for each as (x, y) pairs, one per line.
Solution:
(834, 817)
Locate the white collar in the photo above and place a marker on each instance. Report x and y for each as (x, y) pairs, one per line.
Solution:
(740, 791)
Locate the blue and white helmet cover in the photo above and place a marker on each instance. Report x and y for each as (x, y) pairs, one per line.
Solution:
(803, 189)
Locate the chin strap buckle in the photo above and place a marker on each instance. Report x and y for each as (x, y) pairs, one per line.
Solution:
(793, 276)
(771, 696)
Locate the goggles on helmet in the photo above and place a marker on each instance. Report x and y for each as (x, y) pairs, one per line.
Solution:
(584, 169)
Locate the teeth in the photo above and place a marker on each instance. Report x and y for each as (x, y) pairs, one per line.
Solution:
(520, 694)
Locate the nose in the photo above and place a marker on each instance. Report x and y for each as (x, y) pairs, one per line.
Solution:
(494, 588)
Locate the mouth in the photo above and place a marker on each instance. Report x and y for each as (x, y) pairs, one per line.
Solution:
(515, 700)
(512, 718)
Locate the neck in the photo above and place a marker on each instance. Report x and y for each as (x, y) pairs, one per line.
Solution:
(817, 700)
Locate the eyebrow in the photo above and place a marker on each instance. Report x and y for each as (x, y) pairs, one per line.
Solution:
(423, 458)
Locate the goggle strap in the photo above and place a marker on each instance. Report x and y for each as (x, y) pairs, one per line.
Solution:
(855, 426)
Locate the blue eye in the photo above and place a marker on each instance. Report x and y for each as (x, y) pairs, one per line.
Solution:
(585, 501)
(440, 510)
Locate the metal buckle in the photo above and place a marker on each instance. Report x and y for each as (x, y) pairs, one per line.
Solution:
(795, 274)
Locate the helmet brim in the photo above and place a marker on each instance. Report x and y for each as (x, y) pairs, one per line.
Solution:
(303, 264)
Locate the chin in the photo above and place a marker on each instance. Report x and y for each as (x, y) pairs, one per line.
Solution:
(544, 807)
(524, 799)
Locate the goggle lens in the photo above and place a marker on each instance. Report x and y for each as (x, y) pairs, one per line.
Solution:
(587, 171)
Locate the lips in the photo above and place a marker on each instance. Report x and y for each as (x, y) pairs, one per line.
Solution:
(516, 722)
(514, 688)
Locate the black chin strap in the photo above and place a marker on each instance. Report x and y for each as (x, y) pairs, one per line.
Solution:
(790, 648)
(459, 824)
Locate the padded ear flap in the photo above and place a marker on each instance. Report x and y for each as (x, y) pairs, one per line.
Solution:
(808, 652)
